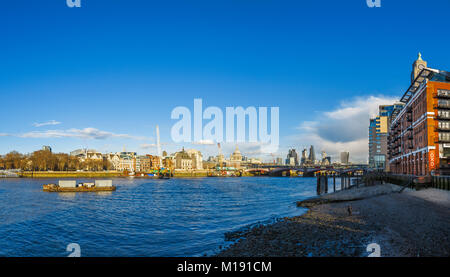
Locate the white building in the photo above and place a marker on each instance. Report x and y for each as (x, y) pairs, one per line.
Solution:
(183, 160)
(87, 154)
(197, 158)
(114, 159)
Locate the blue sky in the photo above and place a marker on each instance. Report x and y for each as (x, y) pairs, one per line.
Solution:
(119, 67)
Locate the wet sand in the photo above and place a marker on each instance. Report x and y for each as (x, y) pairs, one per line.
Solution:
(404, 224)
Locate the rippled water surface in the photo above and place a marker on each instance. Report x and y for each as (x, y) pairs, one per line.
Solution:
(144, 217)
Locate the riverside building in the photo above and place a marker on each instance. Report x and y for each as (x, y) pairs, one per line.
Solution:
(378, 136)
(419, 135)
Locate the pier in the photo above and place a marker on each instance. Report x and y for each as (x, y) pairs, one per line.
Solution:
(347, 181)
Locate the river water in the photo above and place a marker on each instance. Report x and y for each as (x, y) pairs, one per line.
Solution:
(144, 217)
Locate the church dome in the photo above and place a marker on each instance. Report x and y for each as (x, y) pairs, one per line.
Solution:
(236, 156)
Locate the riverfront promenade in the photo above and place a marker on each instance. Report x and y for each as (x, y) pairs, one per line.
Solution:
(407, 223)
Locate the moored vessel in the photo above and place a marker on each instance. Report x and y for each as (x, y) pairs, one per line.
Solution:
(72, 186)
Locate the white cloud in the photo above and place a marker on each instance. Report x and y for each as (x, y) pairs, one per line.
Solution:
(343, 129)
(48, 123)
(147, 145)
(248, 149)
(204, 142)
(152, 145)
(86, 133)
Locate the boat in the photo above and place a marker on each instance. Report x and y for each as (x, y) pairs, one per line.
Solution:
(71, 186)
(224, 173)
(164, 176)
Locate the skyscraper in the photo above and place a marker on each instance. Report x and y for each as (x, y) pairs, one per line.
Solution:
(312, 155)
(304, 156)
(292, 158)
(345, 157)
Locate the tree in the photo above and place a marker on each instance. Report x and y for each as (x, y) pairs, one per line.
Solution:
(73, 163)
(13, 160)
(2, 162)
(62, 161)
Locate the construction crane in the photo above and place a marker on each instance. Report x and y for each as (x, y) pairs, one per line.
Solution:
(273, 157)
(163, 173)
(220, 155)
(158, 145)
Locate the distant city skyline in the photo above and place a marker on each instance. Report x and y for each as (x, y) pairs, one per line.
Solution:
(92, 81)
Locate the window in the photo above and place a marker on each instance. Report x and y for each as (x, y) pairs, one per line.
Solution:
(444, 114)
(443, 92)
(444, 103)
(444, 125)
(444, 136)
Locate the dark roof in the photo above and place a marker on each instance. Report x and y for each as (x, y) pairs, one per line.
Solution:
(425, 74)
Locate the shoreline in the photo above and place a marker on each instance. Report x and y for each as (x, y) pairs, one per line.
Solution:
(405, 223)
(43, 175)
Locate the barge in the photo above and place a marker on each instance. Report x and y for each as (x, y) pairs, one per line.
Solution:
(72, 186)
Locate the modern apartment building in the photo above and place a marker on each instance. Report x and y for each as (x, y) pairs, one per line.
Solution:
(419, 135)
(378, 136)
(142, 163)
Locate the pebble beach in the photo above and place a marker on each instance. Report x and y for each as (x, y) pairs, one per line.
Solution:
(403, 222)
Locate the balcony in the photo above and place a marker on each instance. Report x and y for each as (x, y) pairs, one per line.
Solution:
(441, 106)
(441, 129)
(443, 118)
(409, 118)
(442, 140)
(441, 96)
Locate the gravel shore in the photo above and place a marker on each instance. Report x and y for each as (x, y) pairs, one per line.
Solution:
(406, 224)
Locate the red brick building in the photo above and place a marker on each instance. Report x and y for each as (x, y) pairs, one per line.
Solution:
(419, 135)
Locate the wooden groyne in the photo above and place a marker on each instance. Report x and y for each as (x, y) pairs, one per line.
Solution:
(441, 182)
(347, 181)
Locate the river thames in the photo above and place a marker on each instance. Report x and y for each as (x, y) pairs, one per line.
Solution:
(144, 217)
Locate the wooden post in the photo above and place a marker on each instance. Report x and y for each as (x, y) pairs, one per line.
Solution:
(318, 185)
(326, 183)
(334, 182)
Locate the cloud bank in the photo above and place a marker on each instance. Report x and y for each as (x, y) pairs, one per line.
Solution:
(343, 129)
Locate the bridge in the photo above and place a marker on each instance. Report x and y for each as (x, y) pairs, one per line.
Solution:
(307, 171)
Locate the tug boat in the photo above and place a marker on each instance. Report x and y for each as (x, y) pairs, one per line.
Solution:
(71, 186)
